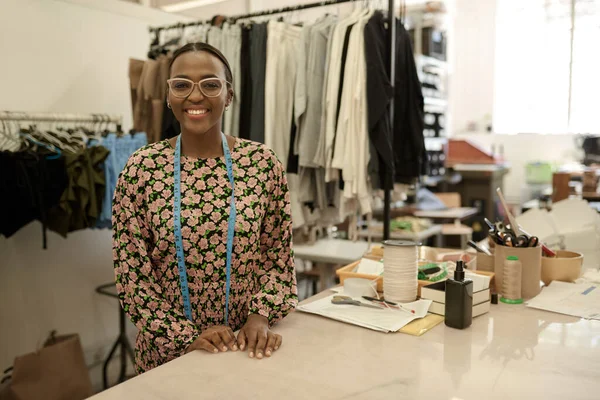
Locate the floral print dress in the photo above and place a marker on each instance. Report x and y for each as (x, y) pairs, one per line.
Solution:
(263, 279)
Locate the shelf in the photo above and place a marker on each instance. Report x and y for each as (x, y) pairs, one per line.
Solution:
(426, 61)
(435, 143)
(432, 101)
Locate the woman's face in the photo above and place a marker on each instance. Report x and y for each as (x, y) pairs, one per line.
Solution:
(197, 113)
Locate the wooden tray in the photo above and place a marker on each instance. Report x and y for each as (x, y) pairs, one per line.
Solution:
(348, 271)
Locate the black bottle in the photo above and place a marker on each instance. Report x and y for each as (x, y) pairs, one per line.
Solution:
(459, 299)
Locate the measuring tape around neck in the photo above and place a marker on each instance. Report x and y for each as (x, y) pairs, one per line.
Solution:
(183, 281)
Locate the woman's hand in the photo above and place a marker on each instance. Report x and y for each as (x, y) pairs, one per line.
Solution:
(214, 339)
(257, 336)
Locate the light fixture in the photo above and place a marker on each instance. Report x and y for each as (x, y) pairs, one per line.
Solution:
(187, 5)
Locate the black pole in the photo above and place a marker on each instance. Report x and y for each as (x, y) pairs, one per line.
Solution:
(391, 41)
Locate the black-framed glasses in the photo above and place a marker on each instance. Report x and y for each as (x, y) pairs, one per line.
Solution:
(209, 87)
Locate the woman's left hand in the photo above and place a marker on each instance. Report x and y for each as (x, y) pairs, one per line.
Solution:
(257, 336)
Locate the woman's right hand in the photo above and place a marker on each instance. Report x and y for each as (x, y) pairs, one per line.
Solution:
(215, 339)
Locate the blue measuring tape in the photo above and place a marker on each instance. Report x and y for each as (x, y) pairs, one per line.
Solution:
(183, 281)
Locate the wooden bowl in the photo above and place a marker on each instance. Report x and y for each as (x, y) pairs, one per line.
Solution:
(565, 267)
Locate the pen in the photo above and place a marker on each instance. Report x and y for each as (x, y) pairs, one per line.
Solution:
(511, 219)
(379, 300)
(479, 249)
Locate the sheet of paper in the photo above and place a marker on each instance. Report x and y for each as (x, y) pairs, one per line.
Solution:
(572, 215)
(538, 223)
(577, 299)
(480, 282)
(370, 267)
(384, 320)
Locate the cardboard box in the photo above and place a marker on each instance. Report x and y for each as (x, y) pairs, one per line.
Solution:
(437, 293)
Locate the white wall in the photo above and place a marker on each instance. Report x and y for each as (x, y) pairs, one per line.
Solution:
(230, 7)
(471, 56)
(471, 96)
(64, 56)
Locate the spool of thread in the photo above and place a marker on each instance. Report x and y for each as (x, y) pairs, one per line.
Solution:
(511, 281)
(400, 270)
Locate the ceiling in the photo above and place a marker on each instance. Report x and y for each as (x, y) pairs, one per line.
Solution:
(197, 8)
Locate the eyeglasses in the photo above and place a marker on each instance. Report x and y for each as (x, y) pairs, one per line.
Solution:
(209, 87)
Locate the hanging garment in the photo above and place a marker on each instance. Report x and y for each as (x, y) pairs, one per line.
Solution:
(313, 190)
(81, 202)
(315, 79)
(351, 153)
(31, 185)
(333, 87)
(379, 95)
(258, 60)
(246, 83)
(149, 98)
(214, 37)
(196, 34)
(120, 149)
(231, 49)
(136, 68)
(283, 45)
(409, 144)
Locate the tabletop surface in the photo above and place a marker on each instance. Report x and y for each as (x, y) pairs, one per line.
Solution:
(512, 352)
(376, 232)
(334, 251)
(450, 213)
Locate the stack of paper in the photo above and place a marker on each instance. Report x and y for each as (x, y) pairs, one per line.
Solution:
(370, 267)
(577, 299)
(383, 320)
(571, 225)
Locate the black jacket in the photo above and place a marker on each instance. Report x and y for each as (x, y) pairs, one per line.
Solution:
(410, 158)
(379, 95)
(397, 155)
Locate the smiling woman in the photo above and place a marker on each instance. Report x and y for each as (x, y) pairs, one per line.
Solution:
(202, 228)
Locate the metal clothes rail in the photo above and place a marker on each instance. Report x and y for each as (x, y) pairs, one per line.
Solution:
(59, 117)
(256, 14)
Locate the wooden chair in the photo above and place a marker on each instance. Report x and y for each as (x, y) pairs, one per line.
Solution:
(453, 200)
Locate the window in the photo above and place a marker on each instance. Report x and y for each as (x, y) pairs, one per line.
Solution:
(547, 79)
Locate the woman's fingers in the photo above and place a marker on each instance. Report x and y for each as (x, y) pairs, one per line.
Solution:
(216, 340)
(204, 344)
(278, 340)
(270, 344)
(260, 345)
(251, 336)
(242, 340)
(228, 339)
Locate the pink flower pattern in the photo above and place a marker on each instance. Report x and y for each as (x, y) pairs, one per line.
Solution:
(263, 280)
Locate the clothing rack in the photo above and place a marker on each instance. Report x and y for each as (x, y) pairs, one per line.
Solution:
(391, 45)
(256, 14)
(60, 117)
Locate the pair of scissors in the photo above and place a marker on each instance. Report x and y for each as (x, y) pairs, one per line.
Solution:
(352, 302)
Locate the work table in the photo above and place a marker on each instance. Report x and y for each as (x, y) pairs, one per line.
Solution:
(512, 352)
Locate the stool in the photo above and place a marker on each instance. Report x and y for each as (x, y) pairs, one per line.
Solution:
(312, 277)
(121, 341)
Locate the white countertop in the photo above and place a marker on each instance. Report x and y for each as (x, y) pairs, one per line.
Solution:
(511, 353)
(376, 233)
(450, 213)
(332, 251)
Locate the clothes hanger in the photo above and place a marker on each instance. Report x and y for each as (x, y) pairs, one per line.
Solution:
(8, 140)
(53, 149)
